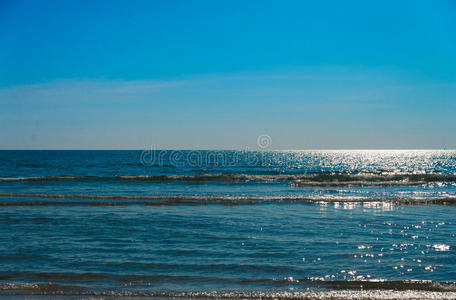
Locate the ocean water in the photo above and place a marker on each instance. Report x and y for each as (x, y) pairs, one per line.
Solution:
(232, 224)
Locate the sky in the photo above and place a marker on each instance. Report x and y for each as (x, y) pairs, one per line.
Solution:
(218, 74)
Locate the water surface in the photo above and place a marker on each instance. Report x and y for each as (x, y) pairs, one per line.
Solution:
(228, 223)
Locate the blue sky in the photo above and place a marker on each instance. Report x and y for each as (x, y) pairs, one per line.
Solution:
(216, 74)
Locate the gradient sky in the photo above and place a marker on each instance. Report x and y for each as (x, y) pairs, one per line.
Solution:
(217, 74)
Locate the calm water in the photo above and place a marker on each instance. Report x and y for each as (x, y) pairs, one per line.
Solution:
(228, 223)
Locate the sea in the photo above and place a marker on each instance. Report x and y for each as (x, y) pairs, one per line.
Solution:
(322, 224)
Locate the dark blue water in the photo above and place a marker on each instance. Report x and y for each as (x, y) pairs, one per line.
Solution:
(227, 223)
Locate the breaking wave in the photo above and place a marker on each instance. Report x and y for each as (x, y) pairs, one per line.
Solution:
(323, 179)
(339, 290)
(113, 200)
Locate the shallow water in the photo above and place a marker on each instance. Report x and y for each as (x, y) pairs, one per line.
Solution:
(288, 224)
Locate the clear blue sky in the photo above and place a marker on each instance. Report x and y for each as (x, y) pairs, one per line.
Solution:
(216, 74)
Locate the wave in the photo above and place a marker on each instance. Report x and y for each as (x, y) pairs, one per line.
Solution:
(319, 179)
(371, 284)
(40, 178)
(331, 295)
(203, 199)
(335, 290)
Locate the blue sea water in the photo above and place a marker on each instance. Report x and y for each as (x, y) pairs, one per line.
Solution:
(230, 224)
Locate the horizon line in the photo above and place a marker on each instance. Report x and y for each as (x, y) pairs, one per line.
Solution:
(265, 150)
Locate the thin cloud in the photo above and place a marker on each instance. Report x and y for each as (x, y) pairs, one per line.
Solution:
(70, 90)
